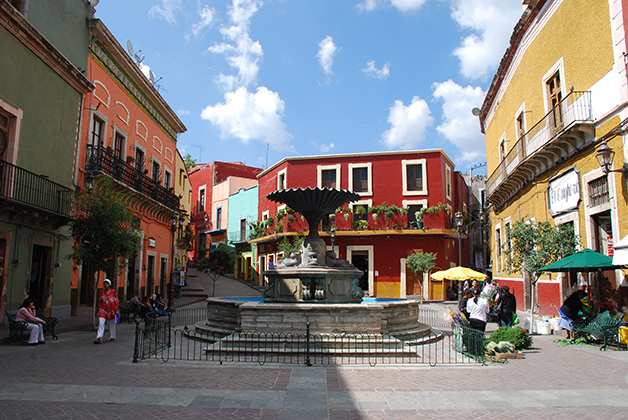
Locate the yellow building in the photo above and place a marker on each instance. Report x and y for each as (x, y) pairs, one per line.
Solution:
(558, 95)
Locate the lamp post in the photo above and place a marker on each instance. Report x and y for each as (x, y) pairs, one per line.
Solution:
(459, 220)
(176, 220)
(332, 229)
(605, 156)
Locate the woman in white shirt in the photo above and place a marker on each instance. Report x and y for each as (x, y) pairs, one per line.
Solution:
(478, 311)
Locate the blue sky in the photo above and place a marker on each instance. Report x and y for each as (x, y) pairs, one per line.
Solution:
(256, 81)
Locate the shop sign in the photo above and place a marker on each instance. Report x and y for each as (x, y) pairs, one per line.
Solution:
(152, 243)
(564, 193)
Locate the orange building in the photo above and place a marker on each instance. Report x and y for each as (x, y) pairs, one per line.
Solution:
(128, 133)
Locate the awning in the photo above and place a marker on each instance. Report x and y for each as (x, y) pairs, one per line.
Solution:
(584, 261)
(620, 256)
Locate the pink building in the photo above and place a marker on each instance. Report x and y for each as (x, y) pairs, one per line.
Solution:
(380, 230)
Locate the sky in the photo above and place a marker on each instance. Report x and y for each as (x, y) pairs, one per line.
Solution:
(257, 81)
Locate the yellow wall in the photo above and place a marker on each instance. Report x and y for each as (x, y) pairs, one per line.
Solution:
(580, 33)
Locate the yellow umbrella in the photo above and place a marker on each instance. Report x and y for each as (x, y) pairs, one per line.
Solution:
(458, 274)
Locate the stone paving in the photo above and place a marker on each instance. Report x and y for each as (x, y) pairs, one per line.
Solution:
(73, 378)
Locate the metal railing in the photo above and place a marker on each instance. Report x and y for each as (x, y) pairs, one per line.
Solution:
(104, 160)
(158, 340)
(34, 190)
(574, 108)
(188, 316)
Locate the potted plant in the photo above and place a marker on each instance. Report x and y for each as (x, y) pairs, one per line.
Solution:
(130, 160)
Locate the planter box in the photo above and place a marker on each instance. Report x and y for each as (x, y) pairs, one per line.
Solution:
(517, 355)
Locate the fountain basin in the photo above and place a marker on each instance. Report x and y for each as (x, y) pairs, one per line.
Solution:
(397, 317)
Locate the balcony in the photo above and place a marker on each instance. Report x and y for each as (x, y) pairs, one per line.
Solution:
(560, 134)
(34, 198)
(156, 197)
(238, 236)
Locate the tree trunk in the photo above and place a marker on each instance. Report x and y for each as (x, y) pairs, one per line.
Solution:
(95, 300)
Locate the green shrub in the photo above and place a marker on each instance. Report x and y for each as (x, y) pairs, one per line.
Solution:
(517, 336)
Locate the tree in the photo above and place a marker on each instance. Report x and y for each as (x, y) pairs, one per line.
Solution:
(421, 262)
(533, 245)
(103, 230)
(189, 162)
(219, 262)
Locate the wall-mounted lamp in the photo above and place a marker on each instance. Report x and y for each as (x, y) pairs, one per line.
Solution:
(605, 156)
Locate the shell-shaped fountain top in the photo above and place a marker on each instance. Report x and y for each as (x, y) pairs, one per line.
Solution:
(304, 200)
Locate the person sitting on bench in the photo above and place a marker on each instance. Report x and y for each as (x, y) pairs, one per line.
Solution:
(35, 325)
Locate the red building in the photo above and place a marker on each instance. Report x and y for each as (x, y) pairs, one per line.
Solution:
(209, 223)
(378, 232)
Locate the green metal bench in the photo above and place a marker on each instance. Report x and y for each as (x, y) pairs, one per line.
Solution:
(16, 328)
(603, 324)
(51, 323)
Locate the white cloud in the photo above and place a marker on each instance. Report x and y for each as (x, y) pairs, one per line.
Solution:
(182, 112)
(242, 53)
(407, 124)
(207, 15)
(324, 148)
(367, 5)
(406, 6)
(167, 10)
(491, 22)
(326, 52)
(373, 71)
(460, 126)
(251, 116)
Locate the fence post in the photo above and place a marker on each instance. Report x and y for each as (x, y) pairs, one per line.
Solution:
(137, 340)
(307, 344)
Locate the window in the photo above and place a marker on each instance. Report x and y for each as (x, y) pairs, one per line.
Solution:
(498, 249)
(167, 179)
(242, 230)
(502, 149)
(281, 180)
(414, 176)
(156, 173)
(96, 134)
(118, 145)
(219, 218)
(412, 211)
(448, 182)
(598, 191)
(4, 134)
(520, 125)
(360, 210)
(328, 176)
(360, 178)
(201, 200)
(140, 159)
(555, 97)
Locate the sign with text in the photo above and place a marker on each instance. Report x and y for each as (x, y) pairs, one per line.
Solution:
(564, 192)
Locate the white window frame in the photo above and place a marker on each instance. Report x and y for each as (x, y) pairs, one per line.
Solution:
(448, 183)
(265, 215)
(502, 148)
(13, 135)
(590, 211)
(369, 173)
(404, 176)
(198, 198)
(284, 173)
(497, 232)
(321, 168)
(521, 112)
(560, 68)
(371, 254)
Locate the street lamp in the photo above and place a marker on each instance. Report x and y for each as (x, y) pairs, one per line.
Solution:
(459, 219)
(176, 221)
(605, 156)
(332, 229)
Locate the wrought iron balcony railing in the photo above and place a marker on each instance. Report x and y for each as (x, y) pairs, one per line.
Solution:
(237, 236)
(104, 160)
(574, 108)
(36, 191)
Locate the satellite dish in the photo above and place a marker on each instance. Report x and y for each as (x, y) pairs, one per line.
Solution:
(138, 57)
(129, 47)
(151, 76)
(475, 111)
(94, 3)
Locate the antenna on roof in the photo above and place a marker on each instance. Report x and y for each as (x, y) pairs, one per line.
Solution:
(129, 47)
(136, 55)
(151, 76)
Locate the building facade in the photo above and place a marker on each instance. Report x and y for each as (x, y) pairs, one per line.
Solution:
(210, 199)
(379, 231)
(558, 95)
(128, 134)
(42, 91)
(243, 210)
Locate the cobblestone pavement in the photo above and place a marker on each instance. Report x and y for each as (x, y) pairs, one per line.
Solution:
(72, 378)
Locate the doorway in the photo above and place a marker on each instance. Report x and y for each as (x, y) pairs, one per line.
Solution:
(360, 259)
(163, 275)
(39, 282)
(150, 275)
(130, 279)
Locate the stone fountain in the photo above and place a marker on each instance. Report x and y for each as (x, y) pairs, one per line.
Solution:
(315, 287)
(314, 274)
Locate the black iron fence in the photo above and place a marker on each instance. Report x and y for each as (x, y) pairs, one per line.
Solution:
(34, 190)
(105, 160)
(157, 339)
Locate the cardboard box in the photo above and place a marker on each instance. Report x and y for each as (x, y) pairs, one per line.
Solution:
(517, 355)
